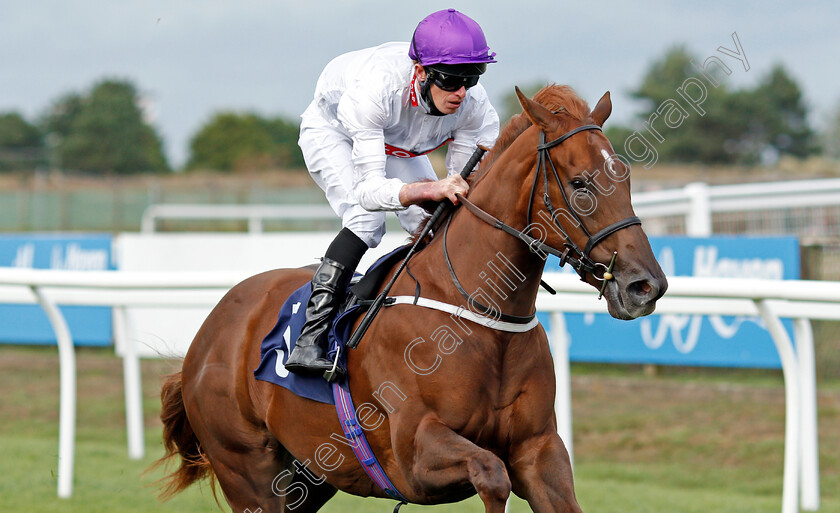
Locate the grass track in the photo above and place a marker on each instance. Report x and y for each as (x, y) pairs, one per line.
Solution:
(642, 445)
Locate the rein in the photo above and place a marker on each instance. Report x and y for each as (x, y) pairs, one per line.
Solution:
(571, 252)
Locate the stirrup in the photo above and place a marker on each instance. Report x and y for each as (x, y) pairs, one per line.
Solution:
(337, 371)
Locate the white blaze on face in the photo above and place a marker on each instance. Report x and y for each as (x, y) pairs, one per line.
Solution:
(605, 154)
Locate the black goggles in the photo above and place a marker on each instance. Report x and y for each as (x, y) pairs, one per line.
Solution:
(449, 82)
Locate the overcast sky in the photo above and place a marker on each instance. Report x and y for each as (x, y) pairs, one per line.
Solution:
(192, 58)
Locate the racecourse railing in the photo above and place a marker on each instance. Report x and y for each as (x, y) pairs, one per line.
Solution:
(697, 209)
(712, 209)
(255, 215)
(772, 300)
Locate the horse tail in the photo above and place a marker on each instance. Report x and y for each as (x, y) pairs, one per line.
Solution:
(179, 440)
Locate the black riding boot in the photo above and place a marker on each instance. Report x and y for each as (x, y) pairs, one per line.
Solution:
(329, 284)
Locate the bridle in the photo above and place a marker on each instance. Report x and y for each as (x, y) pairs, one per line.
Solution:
(580, 259)
(571, 252)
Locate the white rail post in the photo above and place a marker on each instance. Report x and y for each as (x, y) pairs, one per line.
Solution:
(563, 378)
(67, 404)
(255, 224)
(148, 220)
(698, 222)
(132, 385)
(810, 463)
(790, 371)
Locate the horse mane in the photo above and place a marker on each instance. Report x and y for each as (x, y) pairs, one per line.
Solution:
(553, 97)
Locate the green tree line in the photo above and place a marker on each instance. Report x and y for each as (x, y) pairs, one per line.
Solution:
(99, 132)
(713, 123)
(233, 142)
(723, 125)
(103, 130)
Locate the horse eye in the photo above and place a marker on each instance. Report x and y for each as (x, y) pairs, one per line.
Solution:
(577, 183)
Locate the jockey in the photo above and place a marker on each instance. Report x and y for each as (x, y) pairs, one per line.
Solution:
(364, 137)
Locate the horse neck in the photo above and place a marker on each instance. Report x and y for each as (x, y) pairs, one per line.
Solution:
(486, 258)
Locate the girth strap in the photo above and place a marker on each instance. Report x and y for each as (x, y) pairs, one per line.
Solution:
(357, 440)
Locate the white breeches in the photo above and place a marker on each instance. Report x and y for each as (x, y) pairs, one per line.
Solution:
(327, 155)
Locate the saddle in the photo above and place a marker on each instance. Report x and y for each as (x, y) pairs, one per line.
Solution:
(278, 344)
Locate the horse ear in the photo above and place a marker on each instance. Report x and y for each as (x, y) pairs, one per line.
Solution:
(538, 114)
(602, 110)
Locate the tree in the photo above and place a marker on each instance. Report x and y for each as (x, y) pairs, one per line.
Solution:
(781, 118)
(61, 114)
(285, 134)
(245, 141)
(105, 132)
(709, 122)
(831, 137)
(699, 132)
(20, 143)
(16, 132)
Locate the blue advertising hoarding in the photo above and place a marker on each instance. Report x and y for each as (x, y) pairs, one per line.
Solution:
(691, 340)
(27, 324)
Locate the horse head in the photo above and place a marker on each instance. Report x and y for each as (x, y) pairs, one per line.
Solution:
(580, 198)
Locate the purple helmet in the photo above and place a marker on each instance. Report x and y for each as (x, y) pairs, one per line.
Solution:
(448, 37)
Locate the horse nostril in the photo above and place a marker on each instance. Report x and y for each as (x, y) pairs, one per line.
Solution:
(642, 289)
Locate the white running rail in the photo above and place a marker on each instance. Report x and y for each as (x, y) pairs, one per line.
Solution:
(254, 214)
(799, 300)
(696, 202)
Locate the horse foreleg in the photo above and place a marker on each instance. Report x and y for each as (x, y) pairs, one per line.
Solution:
(541, 473)
(444, 459)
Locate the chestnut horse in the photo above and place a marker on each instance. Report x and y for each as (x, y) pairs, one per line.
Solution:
(450, 407)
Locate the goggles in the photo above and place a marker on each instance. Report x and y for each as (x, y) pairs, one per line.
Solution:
(449, 82)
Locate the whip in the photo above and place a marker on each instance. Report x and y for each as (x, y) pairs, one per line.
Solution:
(380, 299)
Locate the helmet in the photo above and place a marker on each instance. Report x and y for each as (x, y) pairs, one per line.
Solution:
(452, 40)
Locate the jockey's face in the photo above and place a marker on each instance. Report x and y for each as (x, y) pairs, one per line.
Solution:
(447, 102)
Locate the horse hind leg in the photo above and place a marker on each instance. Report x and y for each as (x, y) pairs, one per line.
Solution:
(258, 478)
(248, 467)
(446, 459)
(255, 472)
(270, 484)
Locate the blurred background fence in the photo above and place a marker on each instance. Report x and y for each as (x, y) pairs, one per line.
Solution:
(116, 204)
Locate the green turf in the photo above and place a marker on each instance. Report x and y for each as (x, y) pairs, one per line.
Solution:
(657, 445)
(107, 481)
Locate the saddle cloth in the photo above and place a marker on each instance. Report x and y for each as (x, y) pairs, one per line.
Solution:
(278, 344)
